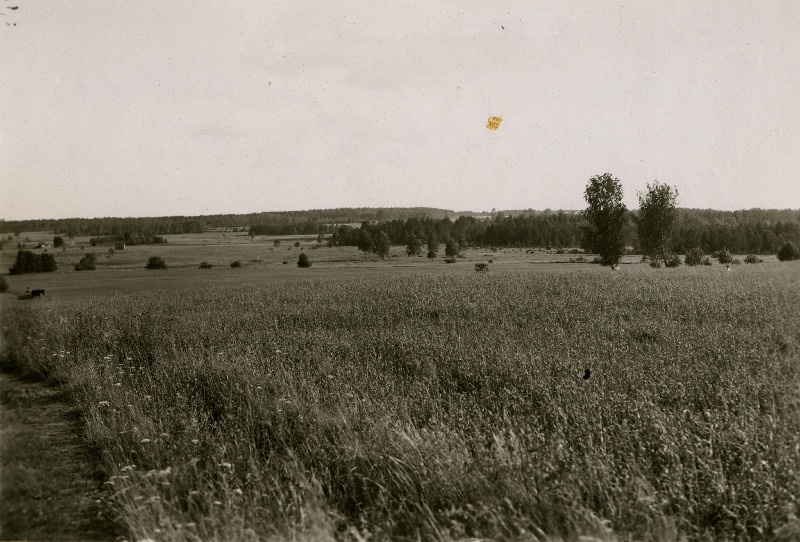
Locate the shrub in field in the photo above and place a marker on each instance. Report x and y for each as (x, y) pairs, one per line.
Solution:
(788, 252)
(205, 265)
(87, 263)
(237, 263)
(28, 262)
(736, 261)
(706, 260)
(303, 260)
(481, 267)
(655, 263)
(752, 258)
(3, 285)
(297, 244)
(694, 256)
(723, 256)
(450, 259)
(156, 262)
(673, 261)
(431, 254)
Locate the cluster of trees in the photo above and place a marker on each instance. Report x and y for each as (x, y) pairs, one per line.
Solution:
(661, 240)
(29, 262)
(561, 229)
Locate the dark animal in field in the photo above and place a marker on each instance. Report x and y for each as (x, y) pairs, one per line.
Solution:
(36, 293)
(587, 374)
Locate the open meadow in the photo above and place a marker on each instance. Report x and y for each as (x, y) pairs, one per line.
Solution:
(418, 400)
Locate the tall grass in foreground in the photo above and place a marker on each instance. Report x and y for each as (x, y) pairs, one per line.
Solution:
(441, 408)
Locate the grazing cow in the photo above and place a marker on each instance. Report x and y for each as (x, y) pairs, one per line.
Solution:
(36, 293)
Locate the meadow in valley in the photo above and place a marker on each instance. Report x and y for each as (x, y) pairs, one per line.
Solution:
(429, 401)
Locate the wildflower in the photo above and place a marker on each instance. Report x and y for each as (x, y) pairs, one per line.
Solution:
(217, 502)
(145, 440)
(226, 465)
(104, 403)
(238, 491)
(195, 441)
(118, 384)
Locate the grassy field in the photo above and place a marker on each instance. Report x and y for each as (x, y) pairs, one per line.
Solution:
(410, 399)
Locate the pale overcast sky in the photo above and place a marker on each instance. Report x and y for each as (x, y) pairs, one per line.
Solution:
(183, 108)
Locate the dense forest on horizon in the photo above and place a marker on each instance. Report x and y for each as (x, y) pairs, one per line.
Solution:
(760, 231)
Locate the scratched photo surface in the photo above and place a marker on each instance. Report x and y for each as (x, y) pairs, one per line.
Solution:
(399, 270)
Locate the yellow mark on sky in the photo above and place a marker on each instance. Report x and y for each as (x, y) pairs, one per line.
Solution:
(494, 123)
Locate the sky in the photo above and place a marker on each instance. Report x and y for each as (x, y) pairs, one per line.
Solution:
(187, 108)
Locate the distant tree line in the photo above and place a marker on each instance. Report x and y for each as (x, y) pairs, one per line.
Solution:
(753, 231)
(270, 223)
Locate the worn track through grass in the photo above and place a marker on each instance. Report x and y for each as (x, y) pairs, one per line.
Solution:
(49, 488)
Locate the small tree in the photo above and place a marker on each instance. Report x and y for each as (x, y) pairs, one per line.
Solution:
(606, 216)
(320, 237)
(694, 256)
(303, 260)
(657, 212)
(451, 249)
(3, 285)
(156, 262)
(788, 252)
(237, 263)
(433, 245)
(277, 243)
(365, 242)
(383, 245)
(414, 247)
(58, 242)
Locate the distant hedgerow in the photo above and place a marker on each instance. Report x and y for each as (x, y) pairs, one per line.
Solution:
(206, 265)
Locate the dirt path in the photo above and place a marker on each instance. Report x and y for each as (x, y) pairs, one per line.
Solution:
(49, 489)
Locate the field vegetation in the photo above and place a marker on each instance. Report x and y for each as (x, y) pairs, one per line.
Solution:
(442, 404)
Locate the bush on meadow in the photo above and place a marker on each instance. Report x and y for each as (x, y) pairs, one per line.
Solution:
(156, 262)
(674, 261)
(237, 263)
(788, 252)
(694, 256)
(303, 260)
(87, 263)
(752, 258)
(724, 256)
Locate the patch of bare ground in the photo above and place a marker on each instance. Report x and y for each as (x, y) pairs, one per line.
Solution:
(49, 487)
